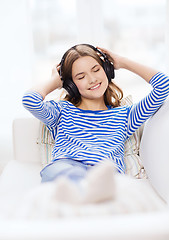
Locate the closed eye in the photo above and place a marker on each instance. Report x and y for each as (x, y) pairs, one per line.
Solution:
(81, 77)
(96, 68)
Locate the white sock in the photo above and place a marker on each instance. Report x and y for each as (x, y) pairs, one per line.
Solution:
(100, 184)
(67, 191)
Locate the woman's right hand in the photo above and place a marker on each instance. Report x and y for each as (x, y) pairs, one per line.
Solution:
(54, 83)
(55, 77)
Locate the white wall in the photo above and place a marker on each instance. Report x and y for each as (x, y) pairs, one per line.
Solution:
(167, 35)
(16, 61)
(90, 21)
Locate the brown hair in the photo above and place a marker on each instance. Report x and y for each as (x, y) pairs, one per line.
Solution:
(113, 93)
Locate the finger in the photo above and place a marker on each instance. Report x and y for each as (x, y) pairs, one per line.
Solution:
(107, 53)
(57, 66)
(103, 50)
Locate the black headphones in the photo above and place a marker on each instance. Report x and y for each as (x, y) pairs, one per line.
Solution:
(70, 86)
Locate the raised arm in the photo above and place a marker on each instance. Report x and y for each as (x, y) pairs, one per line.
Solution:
(47, 112)
(48, 87)
(144, 109)
(119, 62)
(140, 112)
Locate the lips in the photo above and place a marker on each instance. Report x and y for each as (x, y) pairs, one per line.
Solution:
(95, 86)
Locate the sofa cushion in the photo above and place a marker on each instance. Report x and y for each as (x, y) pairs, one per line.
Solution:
(25, 137)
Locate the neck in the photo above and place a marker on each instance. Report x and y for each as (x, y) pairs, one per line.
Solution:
(92, 105)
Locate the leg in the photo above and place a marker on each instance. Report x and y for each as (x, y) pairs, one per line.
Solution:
(71, 169)
(66, 175)
(74, 184)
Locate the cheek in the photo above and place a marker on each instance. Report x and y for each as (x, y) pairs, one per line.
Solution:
(80, 86)
(104, 76)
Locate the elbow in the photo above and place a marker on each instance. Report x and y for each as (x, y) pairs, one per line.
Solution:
(31, 100)
(26, 100)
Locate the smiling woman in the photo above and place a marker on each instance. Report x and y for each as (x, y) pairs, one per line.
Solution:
(88, 128)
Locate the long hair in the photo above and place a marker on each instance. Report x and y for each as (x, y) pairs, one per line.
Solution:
(113, 93)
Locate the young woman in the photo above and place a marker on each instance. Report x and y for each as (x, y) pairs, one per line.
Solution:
(89, 126)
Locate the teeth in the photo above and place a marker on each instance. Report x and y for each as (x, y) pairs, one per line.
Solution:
(95, 86)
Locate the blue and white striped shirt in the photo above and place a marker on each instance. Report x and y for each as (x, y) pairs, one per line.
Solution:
(92, 136)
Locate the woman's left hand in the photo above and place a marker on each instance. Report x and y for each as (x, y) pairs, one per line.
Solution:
(115, 59)
(141, 70)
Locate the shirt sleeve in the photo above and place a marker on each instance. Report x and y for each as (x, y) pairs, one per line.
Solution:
(48, 112)
(140, 112)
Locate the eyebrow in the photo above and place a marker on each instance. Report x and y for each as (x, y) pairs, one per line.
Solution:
(83, 72)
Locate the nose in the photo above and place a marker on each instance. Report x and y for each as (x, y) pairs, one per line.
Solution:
(92, 78)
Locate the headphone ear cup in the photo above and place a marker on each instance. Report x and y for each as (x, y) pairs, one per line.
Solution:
(111, 67)
(71, 88)
(109, 70)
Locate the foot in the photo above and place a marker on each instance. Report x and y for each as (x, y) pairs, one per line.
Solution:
(66, 191)
(100, 184)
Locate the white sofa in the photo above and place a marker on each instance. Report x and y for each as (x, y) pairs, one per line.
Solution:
(22, 174)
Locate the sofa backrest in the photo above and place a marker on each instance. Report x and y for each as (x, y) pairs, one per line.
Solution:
(154, 150)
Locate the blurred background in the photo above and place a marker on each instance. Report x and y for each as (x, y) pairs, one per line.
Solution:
(36, 33)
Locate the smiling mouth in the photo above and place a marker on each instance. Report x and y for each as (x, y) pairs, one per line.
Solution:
(95, 87)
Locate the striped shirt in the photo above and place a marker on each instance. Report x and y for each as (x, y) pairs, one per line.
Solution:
(92, 136)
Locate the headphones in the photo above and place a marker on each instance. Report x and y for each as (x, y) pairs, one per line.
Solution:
(68, 83)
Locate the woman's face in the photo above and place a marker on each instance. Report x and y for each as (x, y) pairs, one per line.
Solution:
(89, 77)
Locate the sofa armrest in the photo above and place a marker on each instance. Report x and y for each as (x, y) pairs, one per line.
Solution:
(19, 177)
(154, 150)
(25, 140)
